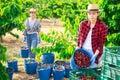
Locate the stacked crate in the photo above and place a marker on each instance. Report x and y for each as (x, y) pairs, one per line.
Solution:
(81, 74)
(111, 63)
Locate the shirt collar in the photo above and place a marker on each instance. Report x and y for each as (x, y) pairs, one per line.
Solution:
(88, 24)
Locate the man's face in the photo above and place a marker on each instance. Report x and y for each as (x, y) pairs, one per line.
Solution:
(92, 15)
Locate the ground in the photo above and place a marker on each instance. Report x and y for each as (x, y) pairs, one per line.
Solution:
(13, 46)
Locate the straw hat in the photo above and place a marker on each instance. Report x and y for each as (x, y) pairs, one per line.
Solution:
(93, 7)
(33, 10)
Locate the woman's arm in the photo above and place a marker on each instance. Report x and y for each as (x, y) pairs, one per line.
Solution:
(38, 27)
(25, 31)
(102, 39)
(79, 36)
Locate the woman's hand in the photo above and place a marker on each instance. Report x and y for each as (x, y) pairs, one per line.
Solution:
(38, 39)
(92, 60)
(77, 47)
(25, 39)
(97, 52)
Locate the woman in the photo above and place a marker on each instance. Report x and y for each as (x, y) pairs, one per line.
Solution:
(32, 31)
(92, 34)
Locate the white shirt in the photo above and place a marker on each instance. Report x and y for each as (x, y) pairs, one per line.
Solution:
(31, 24)
(87, 44)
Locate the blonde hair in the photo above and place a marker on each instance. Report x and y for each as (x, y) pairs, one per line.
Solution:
(33, 10)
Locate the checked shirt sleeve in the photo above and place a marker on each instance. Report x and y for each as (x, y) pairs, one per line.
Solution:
(79, 35)
(103, 34)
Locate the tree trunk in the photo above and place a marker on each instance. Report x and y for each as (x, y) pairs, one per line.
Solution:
(1, 39)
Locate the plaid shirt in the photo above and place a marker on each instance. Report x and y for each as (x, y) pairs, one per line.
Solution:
(99, 33)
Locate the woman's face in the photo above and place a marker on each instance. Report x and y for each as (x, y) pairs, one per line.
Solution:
(92, 15)
(32, 14)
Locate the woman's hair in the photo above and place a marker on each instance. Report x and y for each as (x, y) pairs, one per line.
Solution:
(33, 10)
